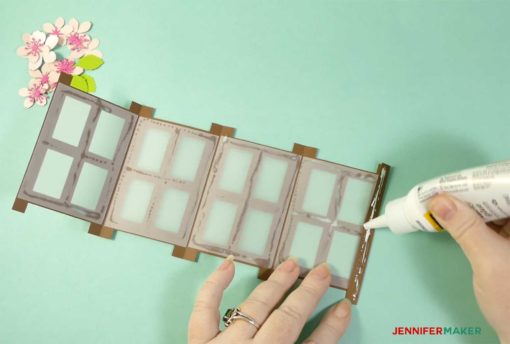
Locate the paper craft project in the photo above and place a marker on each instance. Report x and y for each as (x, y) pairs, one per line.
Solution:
(202, 191)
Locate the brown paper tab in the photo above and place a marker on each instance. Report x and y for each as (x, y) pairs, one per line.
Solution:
(310, 152)
(142, 110)
(20, 205)
(366, 237)
(101, 231)
(221, 130)
(187, 253)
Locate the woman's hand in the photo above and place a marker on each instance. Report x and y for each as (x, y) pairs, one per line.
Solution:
(282, 322)
(488, 251)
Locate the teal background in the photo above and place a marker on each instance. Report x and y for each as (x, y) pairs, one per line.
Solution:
(421, 85)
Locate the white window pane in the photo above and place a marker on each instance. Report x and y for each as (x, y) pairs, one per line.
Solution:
(355, 201)
(153, 148)
(235, 169)
(106, 135)
(220, 221)
(53, 174)
(136, 201)
(305, 244)
(187, 158)
(342, 253)
(171, 210)
(319, 190)
(271, 175)
(89, 187)
(255, 230)
(71, 121)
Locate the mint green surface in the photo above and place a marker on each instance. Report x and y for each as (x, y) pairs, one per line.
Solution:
(421, 85)
(219, 223)
(355, 201)
(271, 175)
(106, 135)
(305, 244)
(235, 168)
(53, 174)
(136, 202)
(254, 231)
(187, 157)
(171, 210)
(71, 121)
(89, 187)
(154, 144)
(342, 253)
(318, 191)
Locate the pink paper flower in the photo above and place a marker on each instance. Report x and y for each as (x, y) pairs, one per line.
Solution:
(47, 76)
(67, 66)
(45, 69)
(35, 93)
(37, 48)
(91, 49)
(78, 41)
(58, 29)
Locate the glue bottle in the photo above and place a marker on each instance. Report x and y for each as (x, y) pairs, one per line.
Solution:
(486, 189)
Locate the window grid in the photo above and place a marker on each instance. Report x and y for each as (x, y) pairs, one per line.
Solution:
(329, 223)
(79, 154)
(162, 181)
(244, 201)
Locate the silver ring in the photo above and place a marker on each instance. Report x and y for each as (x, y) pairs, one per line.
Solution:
(235, 313)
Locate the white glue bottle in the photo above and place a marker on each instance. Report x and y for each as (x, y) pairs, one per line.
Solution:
(486, 189)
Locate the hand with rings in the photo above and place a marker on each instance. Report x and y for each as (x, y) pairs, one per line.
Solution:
(264, 317)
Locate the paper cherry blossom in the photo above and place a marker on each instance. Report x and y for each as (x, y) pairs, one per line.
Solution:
(37, 48)
(47, 76)
(58, 29)
(35, 93)
(45, 67)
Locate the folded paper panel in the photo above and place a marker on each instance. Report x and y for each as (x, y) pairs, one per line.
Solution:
(332, 197)
(87, 139)
(256, 179)
(202, 191)
(176, 160)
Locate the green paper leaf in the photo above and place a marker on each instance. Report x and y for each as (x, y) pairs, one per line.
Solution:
(80, 83)
(90, 62)
(91, 83)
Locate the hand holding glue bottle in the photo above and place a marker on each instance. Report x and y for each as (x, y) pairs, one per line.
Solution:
(462, 203)
(486, 189)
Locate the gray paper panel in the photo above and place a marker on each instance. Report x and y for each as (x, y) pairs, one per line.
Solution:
(79, 155)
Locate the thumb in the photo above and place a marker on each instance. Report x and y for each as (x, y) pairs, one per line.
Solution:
(465, 226)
